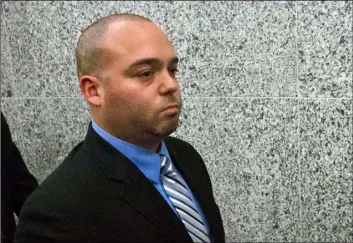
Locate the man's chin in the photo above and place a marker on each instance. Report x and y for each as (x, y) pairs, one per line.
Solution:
(166, 131)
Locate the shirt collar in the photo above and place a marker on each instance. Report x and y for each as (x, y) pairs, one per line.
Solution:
(149, 163)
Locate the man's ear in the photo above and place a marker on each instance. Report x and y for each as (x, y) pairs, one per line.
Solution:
(92, 89)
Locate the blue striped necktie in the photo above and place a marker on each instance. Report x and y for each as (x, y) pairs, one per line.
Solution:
(182, 202)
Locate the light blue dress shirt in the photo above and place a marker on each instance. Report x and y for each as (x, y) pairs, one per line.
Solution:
(148, 163)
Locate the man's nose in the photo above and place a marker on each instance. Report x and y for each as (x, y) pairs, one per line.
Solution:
(169, 84)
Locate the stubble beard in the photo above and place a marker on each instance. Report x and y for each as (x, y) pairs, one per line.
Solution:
(167, 130)
(162, 129)
(170, 126)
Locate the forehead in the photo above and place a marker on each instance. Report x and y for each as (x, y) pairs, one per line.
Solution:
(131, 40)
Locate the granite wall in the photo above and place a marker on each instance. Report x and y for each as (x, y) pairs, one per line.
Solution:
(267, 88)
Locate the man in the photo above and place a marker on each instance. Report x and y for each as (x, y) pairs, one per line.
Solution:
(17, 183)
(128, 181)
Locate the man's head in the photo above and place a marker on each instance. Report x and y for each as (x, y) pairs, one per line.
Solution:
(127, 66)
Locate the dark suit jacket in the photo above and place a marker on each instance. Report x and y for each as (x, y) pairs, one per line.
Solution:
(17, 183)
(98, 195)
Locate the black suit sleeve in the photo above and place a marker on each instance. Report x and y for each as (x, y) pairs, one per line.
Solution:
(20, 181)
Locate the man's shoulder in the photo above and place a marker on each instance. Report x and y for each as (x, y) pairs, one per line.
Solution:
(67, 166)
(75, 154)
(62, 183)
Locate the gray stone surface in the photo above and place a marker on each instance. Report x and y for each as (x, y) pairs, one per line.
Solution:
(267, 90)
(251, 150)
(50, 129)
(326, 170)
(325, 39)
(40, 40)
(8, 87)
(6, 74)
(249, 51)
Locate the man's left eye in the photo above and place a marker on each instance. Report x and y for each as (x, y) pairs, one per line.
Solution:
(146, 74)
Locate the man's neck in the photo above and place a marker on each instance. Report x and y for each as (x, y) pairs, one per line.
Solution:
(150, 144)
(147, 141)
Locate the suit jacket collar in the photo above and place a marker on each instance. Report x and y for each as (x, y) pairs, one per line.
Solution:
(134, 187)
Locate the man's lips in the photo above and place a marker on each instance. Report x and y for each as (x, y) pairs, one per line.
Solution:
(172, 108)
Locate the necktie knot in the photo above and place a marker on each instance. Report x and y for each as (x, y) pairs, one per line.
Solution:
(166, 166)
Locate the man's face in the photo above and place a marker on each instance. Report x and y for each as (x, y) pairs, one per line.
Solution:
(141, 91)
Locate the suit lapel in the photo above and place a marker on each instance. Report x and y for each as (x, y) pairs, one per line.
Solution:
(135, 188)
(188, 167)
(142, 195)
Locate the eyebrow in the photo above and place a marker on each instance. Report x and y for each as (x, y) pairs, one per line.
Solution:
(153, 61)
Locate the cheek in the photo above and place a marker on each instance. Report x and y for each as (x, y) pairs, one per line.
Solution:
(143, 106)
(146, 109)
(114, 101)
(132, 100)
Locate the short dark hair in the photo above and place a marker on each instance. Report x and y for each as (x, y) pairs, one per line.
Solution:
(89, 51)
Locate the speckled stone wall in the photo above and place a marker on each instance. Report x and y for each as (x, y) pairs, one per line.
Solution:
(267, 91)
